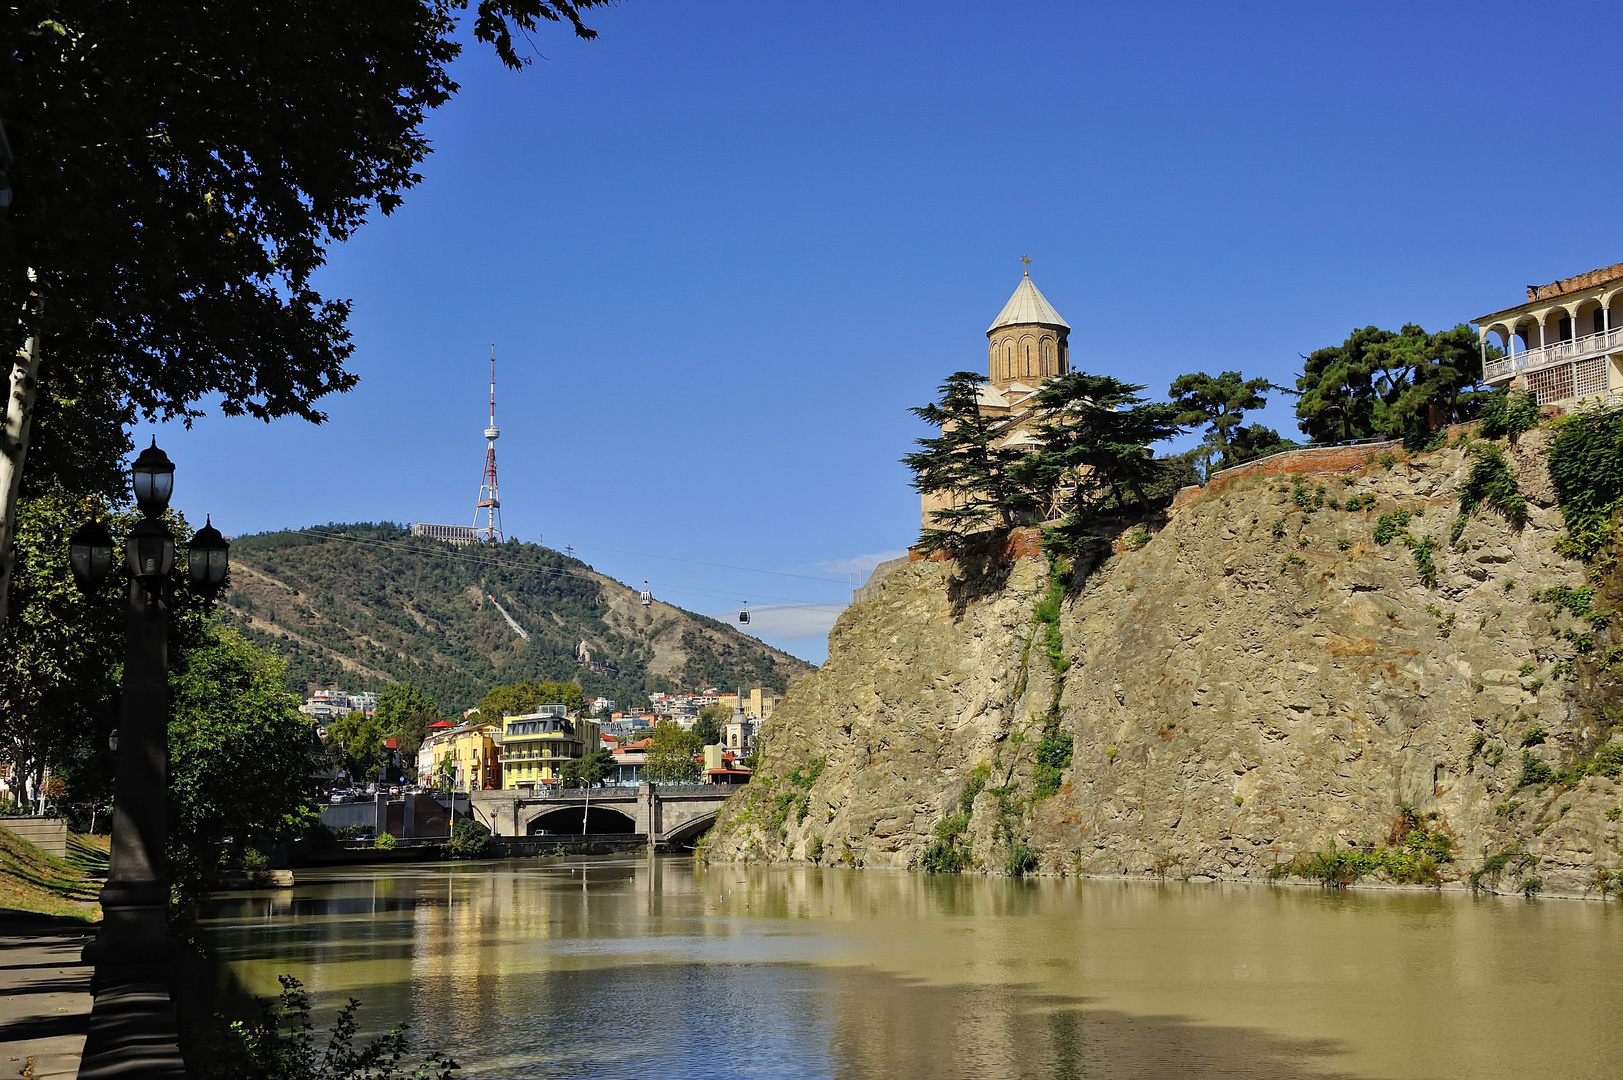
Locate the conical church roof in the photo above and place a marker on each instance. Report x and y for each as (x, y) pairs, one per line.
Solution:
(1027, 306)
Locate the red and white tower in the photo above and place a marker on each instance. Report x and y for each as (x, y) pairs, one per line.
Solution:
(490, 503)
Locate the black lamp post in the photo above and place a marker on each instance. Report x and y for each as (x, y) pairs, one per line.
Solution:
(134, 942)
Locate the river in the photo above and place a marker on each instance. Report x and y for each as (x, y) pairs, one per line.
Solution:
(657, 967)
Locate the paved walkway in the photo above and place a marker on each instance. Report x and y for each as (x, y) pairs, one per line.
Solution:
(44, 996)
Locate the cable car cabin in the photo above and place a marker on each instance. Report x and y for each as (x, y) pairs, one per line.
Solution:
(647, 597)
(744, 616)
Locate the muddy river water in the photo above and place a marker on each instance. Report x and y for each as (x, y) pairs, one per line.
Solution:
(657, 967)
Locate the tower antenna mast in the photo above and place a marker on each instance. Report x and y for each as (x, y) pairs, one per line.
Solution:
(490, 503)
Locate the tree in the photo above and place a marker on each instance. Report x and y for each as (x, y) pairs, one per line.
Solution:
(671, 755)
(587, 771)
(358, 739)
(524, 697)
(405, 712)
(1094, 434)
(1380, 383)
(1219, 403)
(967, 464)
(239, 752)
(180, 170)
(707, 729)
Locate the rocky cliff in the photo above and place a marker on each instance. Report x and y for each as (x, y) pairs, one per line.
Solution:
(1299, 673)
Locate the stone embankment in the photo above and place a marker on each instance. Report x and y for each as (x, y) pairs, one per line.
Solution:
(1292, 665)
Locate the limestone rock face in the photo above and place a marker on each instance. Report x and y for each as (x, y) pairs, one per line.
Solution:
(1260, 681)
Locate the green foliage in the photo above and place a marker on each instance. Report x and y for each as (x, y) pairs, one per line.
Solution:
(1053, 758)
(1380, 383)
(804, 779)
(1278, 529)
(405, 712)
(527, 696)
(671, 755)
(470, 839)
(1534, 736)
(1586, 467)
(281, 1045)
(1414, 854)
(385, 842)
(1047, 615)
(1422, 550)
(979, 777)
(1020, 861)
(1507, 413)
(587, 771)
(1366, 501)
(1389, 525)
(1532, 887)
(1490, 481)
(707, 728)
(1219, 404)
(239, 761)
(814, 850)
(1579, 601)
(967, 465)
(357, 741)
(1534, 771)
(1094, 435)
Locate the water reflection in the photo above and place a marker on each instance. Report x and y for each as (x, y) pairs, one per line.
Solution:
(638, 967)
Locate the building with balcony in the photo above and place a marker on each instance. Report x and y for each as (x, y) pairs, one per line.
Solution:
(535, 746)
(468, 755)
(1565, 345)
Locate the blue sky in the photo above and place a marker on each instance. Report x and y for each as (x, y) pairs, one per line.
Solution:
(723, 248)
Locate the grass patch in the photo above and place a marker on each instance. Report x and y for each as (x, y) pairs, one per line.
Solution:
(31, 880)
(1415, 852)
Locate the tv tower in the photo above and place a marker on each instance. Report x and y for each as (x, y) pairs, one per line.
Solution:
(490, 503)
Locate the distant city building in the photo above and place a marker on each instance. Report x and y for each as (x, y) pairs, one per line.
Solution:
(330, 704)
(456, 534)
(469, 755)
(535, 746)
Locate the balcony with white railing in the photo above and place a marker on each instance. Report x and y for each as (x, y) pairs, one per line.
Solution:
(1557, 352)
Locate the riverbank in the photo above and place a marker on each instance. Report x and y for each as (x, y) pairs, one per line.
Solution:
(36, 883)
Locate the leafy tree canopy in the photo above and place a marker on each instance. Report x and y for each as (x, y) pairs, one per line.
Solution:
(1379, 383)
(526, 696)
(671, 755)
(707, 728)
(406, 712)
(1218, 403)
(181, 168)
(358, 740)
(239, 751)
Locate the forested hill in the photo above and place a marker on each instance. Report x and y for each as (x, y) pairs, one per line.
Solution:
(363, 605)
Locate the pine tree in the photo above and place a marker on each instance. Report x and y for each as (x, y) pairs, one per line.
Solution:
(968, 463)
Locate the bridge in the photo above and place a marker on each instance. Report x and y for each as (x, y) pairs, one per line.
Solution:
(665, 815)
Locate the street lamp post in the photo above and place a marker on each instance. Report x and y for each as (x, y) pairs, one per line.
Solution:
(134, 934)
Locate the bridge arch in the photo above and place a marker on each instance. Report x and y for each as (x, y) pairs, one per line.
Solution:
(566, 820)
(690, 831)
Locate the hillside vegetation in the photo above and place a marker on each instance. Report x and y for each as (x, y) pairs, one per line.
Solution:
(367, 604)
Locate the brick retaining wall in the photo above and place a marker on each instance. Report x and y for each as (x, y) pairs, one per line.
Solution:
(1314, 459)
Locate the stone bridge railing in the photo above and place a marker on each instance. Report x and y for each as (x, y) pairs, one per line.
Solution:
(664, 814)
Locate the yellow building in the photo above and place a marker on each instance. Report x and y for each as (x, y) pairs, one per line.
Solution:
(536, 745)
(470, 753)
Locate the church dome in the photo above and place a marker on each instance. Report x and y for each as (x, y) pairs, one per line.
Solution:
(1027, 307)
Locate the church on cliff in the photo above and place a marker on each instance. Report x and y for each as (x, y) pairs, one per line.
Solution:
(1026, 345)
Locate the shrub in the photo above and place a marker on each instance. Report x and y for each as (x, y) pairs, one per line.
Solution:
(1507, 413)
(1387, 526)
(1424, 563)
(1586, 467)
(976, 783)
(470, 840)
(1534, 737)
(384, 842)
(1534, 771)
(1490, 482)
(814, 850)
(255, 861)
(1532, 887)
(280, 1045)
(1020, 861)
(1053, 758)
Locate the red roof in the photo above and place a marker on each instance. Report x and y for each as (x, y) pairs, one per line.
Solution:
(392, 744)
